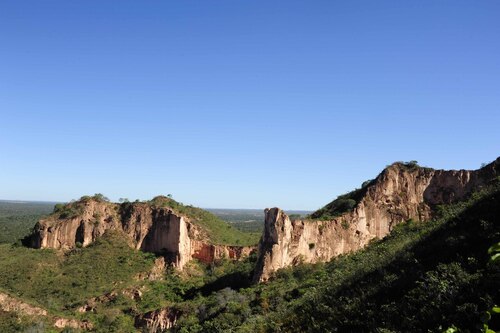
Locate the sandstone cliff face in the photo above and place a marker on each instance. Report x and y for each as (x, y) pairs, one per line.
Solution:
(148, 228)
(95, 218)
(399, 193)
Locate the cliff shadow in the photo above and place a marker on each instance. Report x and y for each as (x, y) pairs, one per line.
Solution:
(235, 281)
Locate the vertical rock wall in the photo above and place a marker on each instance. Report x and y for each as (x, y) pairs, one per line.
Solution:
(147, 228)
(169, 235)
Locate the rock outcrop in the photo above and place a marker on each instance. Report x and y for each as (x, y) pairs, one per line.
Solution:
(11, 304)
(158, 320)
(208, 253)
(401, 192)
(8, 303)
(147, 227)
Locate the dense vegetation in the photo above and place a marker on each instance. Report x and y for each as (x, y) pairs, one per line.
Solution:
(61, 283)
(17, 218)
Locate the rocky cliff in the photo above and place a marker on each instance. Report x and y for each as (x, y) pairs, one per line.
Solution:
(147, 226)
(401, 192)
(159, 320)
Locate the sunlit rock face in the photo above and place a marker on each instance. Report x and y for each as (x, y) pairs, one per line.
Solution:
(158, 320)
(398, 194)
(146, 228)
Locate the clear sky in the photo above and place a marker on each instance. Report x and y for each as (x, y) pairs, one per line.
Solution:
(241, 104)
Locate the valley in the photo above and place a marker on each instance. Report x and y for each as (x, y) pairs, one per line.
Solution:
(409, 252)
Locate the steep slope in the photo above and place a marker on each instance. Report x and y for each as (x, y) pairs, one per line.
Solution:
(401, 192)
(162, 226)
(423, 277)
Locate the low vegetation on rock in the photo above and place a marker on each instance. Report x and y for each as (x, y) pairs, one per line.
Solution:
(343, 203)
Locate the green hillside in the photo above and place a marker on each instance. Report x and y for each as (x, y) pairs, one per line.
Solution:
(60, 283)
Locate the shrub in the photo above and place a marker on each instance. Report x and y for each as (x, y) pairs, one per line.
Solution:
(345, 225)
(342, 204)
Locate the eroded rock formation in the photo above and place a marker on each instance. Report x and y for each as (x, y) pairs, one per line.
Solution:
(207, 253)
(146, 227)
(399, 193)
(158, 320)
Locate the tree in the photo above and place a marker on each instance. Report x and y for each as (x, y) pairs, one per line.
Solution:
(100, 197)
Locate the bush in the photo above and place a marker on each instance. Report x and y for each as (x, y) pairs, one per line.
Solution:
(342, 204)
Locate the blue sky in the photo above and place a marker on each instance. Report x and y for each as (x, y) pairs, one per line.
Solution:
(241, 104)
